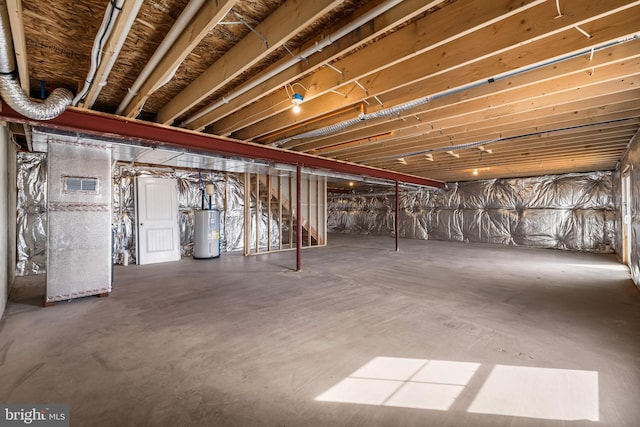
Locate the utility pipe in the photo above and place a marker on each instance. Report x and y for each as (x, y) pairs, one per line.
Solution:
(372, 14)
(108, 22)
(183, 20)
(126, 28)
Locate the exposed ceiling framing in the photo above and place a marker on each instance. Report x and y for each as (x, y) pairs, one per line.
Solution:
(449, 90)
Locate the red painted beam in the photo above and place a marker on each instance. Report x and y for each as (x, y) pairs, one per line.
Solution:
(397, 218)
(122, 128)
(298, 217)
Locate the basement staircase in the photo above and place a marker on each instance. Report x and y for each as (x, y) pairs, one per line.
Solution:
(275, 194)
(270, 197)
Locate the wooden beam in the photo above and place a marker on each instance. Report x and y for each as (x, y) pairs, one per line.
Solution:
(531, 170)
(462, 54)
(136, 131)
(586, 140)
(477, 125)
(111, 49)
(565, 120)
(549, 161)
(210, 15)
(560, 156)
(16, 20)
(287, 21)
(549, 146)
(271, 92)
(509, 98)
(526, 156)
(407, 42)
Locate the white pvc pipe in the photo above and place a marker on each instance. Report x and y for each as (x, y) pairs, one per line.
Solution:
(108, 22)
(183, 20)
(116, 51)
(372, 14)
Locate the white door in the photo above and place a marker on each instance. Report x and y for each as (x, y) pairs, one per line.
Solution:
(157, 220)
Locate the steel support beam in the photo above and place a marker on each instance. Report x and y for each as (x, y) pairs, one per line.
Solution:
(138, 131)
(298, 217)
(397, 220)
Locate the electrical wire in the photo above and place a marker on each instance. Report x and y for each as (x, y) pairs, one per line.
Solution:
(96, 52)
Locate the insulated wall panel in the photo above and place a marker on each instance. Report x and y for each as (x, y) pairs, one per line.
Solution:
(79, 218)
(630, 165)
(573, 212)
(31, 212)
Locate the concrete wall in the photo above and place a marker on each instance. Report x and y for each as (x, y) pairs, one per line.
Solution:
(631, 163)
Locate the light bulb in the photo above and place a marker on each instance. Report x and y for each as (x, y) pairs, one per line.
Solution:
(296, 99)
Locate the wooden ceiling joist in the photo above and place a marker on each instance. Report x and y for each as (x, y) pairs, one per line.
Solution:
(291, 18)
(507, 48)
(405, 43)
(500, 118)
(111, 49)
(210, 15)
(548, 91)
(243, 108)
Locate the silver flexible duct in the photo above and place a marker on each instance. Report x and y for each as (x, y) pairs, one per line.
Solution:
(10, 89)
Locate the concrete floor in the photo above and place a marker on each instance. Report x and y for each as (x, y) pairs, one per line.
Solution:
(439, 334)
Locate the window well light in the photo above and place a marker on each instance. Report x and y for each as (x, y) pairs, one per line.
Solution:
(296, 100)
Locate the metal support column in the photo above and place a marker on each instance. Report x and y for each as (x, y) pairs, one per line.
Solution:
(397, 220)
(298, 217)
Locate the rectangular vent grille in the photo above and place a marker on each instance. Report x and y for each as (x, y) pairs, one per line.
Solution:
(73, 183)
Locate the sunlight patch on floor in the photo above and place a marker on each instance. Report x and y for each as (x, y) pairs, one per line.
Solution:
(521, 391)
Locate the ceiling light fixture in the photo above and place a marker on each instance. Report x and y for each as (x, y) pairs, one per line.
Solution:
(296, 100)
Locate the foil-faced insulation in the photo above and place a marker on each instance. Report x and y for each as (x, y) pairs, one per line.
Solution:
(617, 202)
(630, 167)
(228, 198)
(79, 218)
(573, 212)
(31, 223)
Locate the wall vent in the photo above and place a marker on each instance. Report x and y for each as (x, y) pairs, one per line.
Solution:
(78, 184)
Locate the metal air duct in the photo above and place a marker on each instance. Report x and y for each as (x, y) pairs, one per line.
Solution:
(10, 89)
